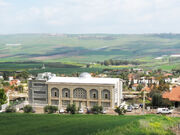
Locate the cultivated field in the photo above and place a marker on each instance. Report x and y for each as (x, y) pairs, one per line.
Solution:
(87, 47)
(44, 124)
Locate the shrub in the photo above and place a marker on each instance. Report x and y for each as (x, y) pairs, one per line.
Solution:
(97, 109)
(10, 109)
(28, 109)
(50, 109)
(71, 108)
(120, 111)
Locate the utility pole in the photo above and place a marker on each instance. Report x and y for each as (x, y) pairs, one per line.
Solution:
(144, 102)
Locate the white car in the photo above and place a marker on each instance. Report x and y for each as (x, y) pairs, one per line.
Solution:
(61, 110)
(136, 106)
(81, 111)
(104, 112)
(129, 109)
(164, 111)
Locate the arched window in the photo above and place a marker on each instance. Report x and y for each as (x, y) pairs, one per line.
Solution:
(94, 94)
(54, 92)
(105, 94)
(66, 93)
(80, 93)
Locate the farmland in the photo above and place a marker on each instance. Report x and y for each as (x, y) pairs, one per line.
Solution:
(86, 48)
(77, 50)
(43, 124)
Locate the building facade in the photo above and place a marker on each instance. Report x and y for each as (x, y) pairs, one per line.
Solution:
(84, 91)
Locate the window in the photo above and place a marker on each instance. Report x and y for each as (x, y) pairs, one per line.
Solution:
(39, 84)
(54, 92)
(65, 103)
(105, 94)
(105, 104)
(66, 93)
(39, 92)
(80, 93)
(54, 102)
(40, 99)
(94, 94)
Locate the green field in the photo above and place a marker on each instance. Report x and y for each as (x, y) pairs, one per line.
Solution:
(82, 49)
(44, 124)
(86, 47)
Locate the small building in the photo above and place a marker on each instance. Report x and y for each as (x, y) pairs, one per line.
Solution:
(15, 82)
(173, 95)
(1, 77)
(134, 86)
(11, 78)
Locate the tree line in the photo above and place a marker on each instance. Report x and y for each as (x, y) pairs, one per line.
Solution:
(119, 62)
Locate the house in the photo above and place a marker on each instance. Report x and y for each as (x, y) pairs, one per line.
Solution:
(11, 78)
(134, 86)
(173, 95)
(1, 77)
(15, 82)
(147, 89)
(173, 80)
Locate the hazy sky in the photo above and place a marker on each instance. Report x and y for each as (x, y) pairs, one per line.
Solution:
(89, 16)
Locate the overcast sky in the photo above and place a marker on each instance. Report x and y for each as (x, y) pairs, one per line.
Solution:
(89, 16)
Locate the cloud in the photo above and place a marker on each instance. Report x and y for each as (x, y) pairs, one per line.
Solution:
(115, 16)
(3, 3)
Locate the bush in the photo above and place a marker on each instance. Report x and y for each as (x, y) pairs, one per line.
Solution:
(10, 109)
(97, 109)
(120, 111)
(28, 109)
(71, 108)
(50, 109)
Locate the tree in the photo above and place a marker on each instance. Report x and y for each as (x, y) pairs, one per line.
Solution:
(28, 109)
(120, 111)
(71, 108)
(96, 109)
(3, 97)
(23, 75)
(157, 99)
(88, 66)
(10, 109)
(50, 109)
(139, 87)
(20, 88)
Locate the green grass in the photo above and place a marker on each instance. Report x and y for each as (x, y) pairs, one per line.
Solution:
(44, 124)
(67, 71)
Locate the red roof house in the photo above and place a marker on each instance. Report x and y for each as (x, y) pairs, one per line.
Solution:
(173, 95)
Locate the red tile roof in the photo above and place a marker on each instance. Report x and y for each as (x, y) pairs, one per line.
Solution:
(173, 95)
(168, 74)
(135, 85)
(146, 88)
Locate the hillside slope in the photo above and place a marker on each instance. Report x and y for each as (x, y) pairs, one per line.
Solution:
(87, 47)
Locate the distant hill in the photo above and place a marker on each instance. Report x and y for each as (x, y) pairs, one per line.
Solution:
(86, 47)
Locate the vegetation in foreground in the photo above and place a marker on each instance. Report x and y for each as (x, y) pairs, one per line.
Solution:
(48, 124)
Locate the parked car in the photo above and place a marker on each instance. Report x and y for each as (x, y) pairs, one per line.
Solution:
(103, 112)
(164, 111)
(61, 110)
(136, 106)
(129, 109)
(81, 111)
